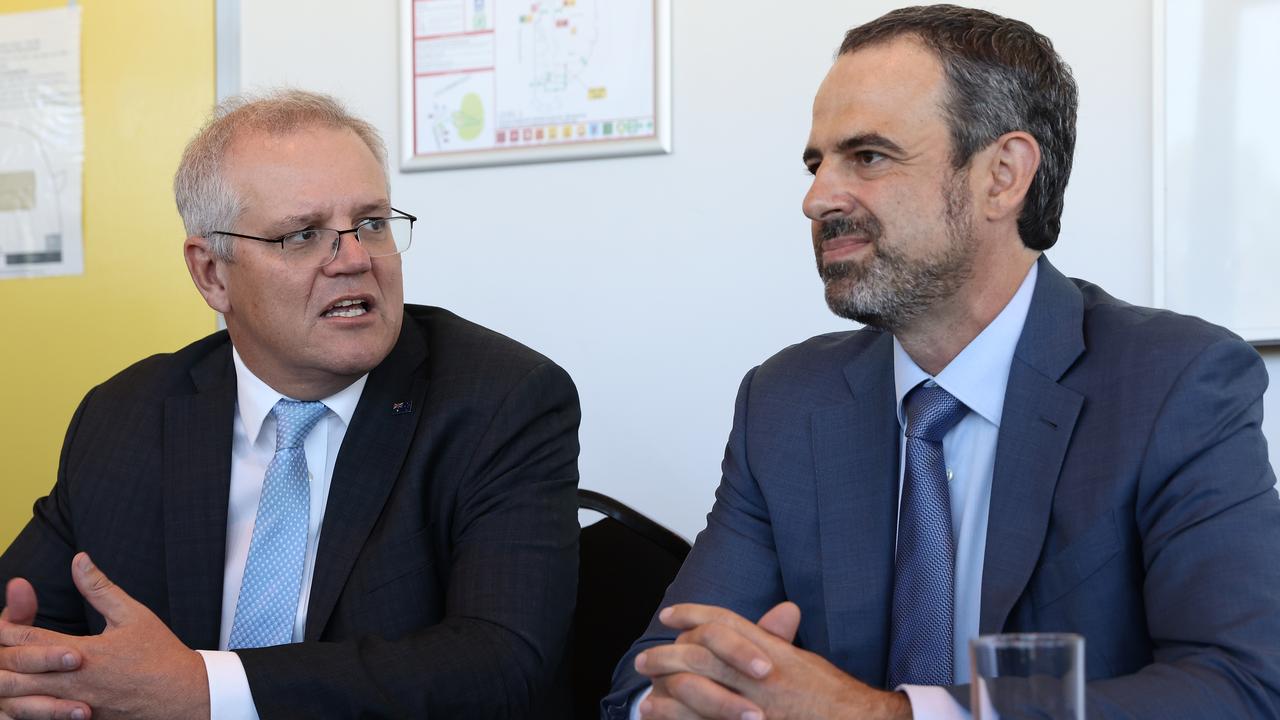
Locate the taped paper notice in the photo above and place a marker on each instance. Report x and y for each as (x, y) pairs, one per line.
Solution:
(41, 144)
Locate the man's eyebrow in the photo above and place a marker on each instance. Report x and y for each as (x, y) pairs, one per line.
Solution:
(855, 142)
(378, 208)
(868, 140)
(290, 223)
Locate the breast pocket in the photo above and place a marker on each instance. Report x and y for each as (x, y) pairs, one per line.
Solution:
(1070, 567)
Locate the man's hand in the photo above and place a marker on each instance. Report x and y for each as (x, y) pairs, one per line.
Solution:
(722, 663)
(136, 668)
(20, 609)
(702, 692)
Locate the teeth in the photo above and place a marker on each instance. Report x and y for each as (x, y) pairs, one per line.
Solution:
(346, 308)
(350, 312)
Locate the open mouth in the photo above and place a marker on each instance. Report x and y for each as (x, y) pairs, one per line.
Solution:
(347, 309)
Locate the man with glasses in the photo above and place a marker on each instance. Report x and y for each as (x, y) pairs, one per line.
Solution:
(349, 506)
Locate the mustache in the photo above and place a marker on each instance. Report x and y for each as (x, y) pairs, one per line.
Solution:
(868, 227)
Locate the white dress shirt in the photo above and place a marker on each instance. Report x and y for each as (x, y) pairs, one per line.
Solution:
(253, 439)
(977, 377)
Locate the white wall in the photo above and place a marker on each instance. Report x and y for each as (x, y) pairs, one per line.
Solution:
(658, 281)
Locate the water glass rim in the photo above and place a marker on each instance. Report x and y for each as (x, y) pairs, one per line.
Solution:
(1027, 640)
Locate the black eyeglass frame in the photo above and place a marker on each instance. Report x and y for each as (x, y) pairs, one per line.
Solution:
(337, 241)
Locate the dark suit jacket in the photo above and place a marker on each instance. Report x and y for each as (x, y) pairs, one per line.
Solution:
(1132, 502)
(444, 580)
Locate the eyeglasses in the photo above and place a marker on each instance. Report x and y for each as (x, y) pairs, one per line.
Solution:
(317, 247)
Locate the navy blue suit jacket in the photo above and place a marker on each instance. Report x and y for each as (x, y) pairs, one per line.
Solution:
(445, 575)
(1132, 502)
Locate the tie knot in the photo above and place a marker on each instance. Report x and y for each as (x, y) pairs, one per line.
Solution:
(931, 412)
(294, 420)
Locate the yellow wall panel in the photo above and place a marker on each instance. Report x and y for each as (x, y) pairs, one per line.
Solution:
(147, 78)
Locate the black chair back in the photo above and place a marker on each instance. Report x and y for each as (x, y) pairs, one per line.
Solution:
(626, 562)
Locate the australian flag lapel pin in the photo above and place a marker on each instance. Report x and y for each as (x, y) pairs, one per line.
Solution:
(403, 407)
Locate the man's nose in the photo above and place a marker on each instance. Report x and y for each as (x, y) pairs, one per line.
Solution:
(351, 255)
(829, 196)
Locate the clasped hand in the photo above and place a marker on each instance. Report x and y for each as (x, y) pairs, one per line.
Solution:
(136, 668)
(723, 666)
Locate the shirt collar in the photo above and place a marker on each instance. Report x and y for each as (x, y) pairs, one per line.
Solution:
(979, 375)
(255, 398)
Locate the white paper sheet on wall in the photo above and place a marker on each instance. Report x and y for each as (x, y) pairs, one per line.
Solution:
(41, 144)
(1219, 253)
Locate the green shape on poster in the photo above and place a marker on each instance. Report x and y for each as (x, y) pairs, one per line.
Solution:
(469, 120)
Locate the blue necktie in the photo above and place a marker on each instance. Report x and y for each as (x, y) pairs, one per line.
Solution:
(924, 572)
(268, 601)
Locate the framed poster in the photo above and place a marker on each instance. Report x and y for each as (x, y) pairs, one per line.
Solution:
(489, 82)
(1216, 163)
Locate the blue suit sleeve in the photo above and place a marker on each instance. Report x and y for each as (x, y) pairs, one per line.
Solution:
(733, 564)
(1207, 513)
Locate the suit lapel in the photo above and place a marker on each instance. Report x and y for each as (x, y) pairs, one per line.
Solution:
(1035, 431)
(855, 448)
(368, 466)
(197, 478)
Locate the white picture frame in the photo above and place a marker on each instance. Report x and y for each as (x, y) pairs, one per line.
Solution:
(495, 82)
(1216, 163)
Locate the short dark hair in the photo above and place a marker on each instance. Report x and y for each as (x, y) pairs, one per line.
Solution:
(1002, 76)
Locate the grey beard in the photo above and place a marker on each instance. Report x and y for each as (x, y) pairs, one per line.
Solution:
(889, 290)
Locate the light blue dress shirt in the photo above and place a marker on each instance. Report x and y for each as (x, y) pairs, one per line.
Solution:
(977, 377)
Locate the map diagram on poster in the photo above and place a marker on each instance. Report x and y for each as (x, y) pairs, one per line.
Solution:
(496, 81)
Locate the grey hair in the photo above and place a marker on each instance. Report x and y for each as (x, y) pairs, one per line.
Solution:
(206, 201)
(1002, 76)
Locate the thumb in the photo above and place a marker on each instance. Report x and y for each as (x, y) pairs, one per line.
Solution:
(19, 602)
(782, 620)
(105, 596)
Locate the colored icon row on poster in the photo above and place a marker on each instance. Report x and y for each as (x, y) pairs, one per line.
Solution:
(608, 129)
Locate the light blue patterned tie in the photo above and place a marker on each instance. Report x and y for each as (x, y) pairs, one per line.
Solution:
(268, 601)
(924, 572)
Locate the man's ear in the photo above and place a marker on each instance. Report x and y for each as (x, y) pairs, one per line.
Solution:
(1012, 161)
(208, 271)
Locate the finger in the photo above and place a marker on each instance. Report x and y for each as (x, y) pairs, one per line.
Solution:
(16, 685)
(15, 635)
(666, 660)
(666, 708)
(105, 596)
(42, 707)
(731, 647)
(748, 654)
(703, 697)
(686, 616)
(19, 602)
(783, 620)
(38, 659)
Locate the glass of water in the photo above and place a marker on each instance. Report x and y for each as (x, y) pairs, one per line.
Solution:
(1030, 675)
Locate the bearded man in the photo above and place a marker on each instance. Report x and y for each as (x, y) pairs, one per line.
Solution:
(1001, 449)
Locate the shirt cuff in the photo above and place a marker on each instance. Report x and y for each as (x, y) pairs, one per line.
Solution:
(229, 695)
(636, 698)
(933, 703)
